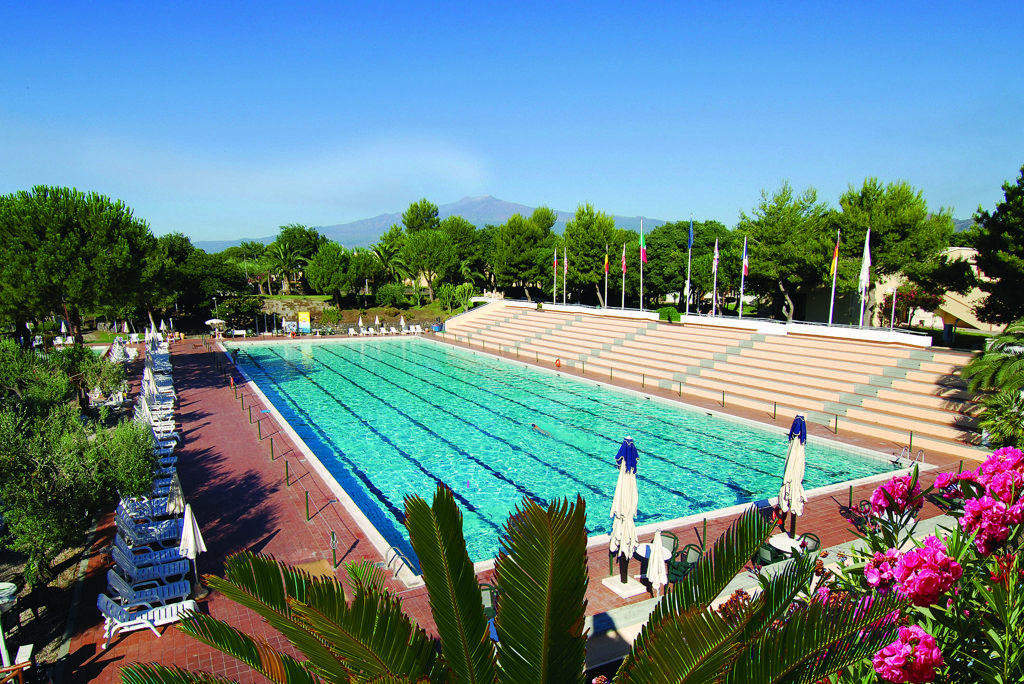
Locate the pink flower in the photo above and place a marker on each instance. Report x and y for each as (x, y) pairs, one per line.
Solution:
(1002, 474)
(902, 499)
(879, 570)
(991, 519)
(943, 480)
(913, 657)
(925, 573)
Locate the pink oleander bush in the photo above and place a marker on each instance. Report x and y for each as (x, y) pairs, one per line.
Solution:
(913, 657)
(879, 571)
(992, 520)
(926, 573)
(896, 496)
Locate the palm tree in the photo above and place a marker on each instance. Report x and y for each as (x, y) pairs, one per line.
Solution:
(541, 576)
(999, 372)
(286, 261)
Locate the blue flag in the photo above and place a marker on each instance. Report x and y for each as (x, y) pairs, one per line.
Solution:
(690, 246)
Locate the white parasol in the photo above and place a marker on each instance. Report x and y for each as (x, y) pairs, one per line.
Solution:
(657, 574)
(192, 543)
(791, 494)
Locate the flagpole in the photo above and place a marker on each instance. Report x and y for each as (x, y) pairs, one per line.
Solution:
(689, 258)
(623, 275)
(642, 264)
(835, 268)
(865, 274)
(606, 276)
(714, 288)
(743, 274)
(554, 291)
(565, 272)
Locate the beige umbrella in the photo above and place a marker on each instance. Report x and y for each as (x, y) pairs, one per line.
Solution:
(657, 573)
(192, 543)
(175, 499)
(791, 494)
(624, 504)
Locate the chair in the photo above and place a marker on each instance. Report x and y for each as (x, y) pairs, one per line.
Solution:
(490, 597)
(117, 619)
(144, 556)
(393, 330)
(129, 597)
(164, 533)
(809, 542)
(352, 332)
(151, 575)
(767, 555)
(683, 562)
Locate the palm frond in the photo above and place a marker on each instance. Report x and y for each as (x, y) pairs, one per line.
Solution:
(778, 593)
(154, 673)
(817, 640)
(312, 613)
(255, 652)
(366, 575)
(455, 597)
(542, 583)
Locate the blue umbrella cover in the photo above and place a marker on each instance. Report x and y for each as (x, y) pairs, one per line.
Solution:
(628, 452)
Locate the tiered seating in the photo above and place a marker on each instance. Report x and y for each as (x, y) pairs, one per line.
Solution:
(148, 586)
(903, 394)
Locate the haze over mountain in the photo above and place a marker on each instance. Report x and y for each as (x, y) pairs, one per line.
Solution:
(479, 211)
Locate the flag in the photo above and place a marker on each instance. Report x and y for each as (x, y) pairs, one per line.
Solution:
(565, 261)
(746, 263)
(643, 247)
(865, 264)
(714, 260)
(556, 260)
(690, 245)
(623, 257)
(606, 258)
(835, 256)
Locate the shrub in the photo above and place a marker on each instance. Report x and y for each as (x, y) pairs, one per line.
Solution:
(331, 316)
(391, 295)
(668, 313)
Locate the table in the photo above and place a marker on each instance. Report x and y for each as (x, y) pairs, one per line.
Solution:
(785, 543)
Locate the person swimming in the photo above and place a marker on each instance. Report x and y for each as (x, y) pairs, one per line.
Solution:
(540, 430)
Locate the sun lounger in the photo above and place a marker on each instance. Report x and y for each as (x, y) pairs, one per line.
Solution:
(117, 619)
(164, 533)
(393, 330)
(352, 332)
(149, 575)
(129, 597)
(149, 509)
(143, 556)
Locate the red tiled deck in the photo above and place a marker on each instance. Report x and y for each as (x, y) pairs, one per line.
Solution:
(242, 502)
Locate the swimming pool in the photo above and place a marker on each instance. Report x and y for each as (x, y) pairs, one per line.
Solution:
(393, 417)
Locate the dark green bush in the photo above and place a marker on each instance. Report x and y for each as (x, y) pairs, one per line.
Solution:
(668, 313)
(392, 295)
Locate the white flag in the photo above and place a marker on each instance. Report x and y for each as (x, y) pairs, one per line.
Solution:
(865, 264)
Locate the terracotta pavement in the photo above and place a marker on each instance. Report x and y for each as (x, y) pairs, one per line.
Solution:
(242, 501)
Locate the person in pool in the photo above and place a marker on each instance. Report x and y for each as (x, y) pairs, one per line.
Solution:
(540, 430)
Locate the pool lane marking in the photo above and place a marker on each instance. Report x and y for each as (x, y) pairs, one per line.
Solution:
(546, 464)
(358, 470)
(387, 440)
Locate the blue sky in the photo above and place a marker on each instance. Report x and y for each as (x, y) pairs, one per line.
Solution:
(225, 120)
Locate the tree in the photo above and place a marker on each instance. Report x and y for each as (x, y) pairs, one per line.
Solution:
(465, 248)
(522, 251)
(286, 262)
(998, 371)
(388, 251)
(422, 215)
(304, 240)
(782, 634)
(204, 276)
(241, 312)
(586, 239)
(68, 252)
(668, 246)
(328, 271)
(788, 241)
(430, 255)
(906, 237)
(364, 272)
(999, 238)
(55, 470)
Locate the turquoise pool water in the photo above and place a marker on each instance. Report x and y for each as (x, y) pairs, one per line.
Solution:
(389, 418)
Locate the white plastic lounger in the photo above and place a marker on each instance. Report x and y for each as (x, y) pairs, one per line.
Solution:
(117, 619)
(151, 575)
(129, 597)
(163, 533)
(352, 332)
(144, 556)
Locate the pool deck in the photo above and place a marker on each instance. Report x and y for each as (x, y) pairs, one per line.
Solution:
(241, 501)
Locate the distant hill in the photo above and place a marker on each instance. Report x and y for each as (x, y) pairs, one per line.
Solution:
(480, 211)
(960, 225)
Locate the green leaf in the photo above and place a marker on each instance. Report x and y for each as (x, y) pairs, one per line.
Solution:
(542, 583)
(154, 673)
(455, 598)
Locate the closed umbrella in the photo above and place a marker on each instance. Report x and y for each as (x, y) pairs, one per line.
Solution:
(63, 328)
(657, 574)
(791, 495)
(192, 543)
(376, 321)
(401, 321)
(624, 504)
(163, 325)
(126, 327)
(360, 322)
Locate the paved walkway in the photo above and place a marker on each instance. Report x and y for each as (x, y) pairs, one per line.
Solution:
(241, 501)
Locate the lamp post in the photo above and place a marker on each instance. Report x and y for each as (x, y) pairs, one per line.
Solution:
(216, 313)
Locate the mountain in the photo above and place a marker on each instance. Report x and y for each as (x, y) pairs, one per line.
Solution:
(960, 225)
(480, 211)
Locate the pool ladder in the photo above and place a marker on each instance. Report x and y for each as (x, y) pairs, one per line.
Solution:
(906, 455)
(394, 559)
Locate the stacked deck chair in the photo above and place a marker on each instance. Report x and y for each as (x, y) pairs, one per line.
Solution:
(149, 584)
